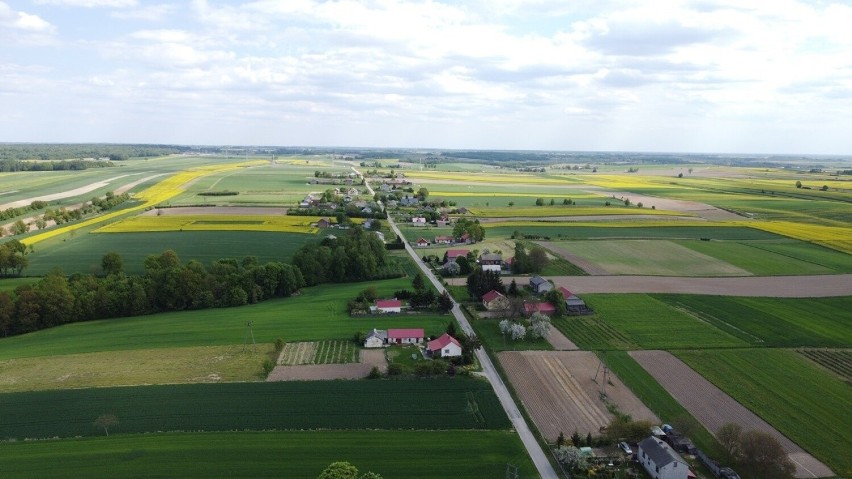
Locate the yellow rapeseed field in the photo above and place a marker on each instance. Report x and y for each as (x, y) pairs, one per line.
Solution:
(274, 223)
(834, 237)
(554, 211)
(162, 191)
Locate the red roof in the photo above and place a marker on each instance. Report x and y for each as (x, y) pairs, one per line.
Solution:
(422, 240)
(544, 308)
(405, 333)
(565, 292)
(443, 238)
(388, 303)
(442, 342)
(491, 296)
(454, 253)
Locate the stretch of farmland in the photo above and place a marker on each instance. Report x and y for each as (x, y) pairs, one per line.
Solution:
(740, 274)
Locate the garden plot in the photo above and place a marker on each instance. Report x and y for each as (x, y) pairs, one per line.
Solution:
(322, 352)
(559, 391)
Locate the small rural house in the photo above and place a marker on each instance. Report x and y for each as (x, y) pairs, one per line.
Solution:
(661, 461)
(418, 221)
(422, 242)
(465, 238)
(491, 262)
(376, 338)
(388, 306)
(444, 220)
(452, 254)
(543, 308)
(444, 240)
(494, 301)
(445, 346)
(405, 336)
(540, 285)
(323, 223)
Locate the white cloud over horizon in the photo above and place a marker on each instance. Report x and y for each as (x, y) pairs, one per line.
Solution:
(691, 76)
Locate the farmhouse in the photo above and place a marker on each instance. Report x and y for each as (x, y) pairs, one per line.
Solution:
(324, 223)
(445, 346)
(491, 262)
(418, 221)
(543, 308)
(444, 240)
(405, 336)
(388, 306)
(540, 285)
(376, 338)
(661, 461)
(494, 301)
(444, 220)
(422, 242)
(452, 254)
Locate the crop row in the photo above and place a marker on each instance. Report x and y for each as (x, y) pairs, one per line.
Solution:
(837, 361)
(589, 332)
(404, 404)
(281, 224)
(336, 352)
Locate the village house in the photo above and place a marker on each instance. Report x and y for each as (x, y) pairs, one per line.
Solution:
(376, 338)
(324, 223)
(465, 238)
(443, 240)
(422, 242)
(409, 201)
(539, 285)
(491, 262)
(405, 336)
(418, 221)
(543, 308)
(452, 254)
(444, 221)
(661, 461)
(384, 306)
(494, 301)
(445, 346)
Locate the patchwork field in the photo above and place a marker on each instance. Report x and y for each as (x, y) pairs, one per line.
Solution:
(210, 222)
(560, 392)
(393, 454)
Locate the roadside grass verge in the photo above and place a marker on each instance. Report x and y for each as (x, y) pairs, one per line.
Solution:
(393, 454)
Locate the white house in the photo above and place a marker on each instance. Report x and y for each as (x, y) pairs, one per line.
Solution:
(418, 221)
(661, 461)
(376, 338)
(445, 346)
(388, 306)
(491, 262)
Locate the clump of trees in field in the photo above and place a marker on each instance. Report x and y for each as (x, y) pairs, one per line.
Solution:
(357, 256)
(13, 258)
(754, 452)
(533, 262)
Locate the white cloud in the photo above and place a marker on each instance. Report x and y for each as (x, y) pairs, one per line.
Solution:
(149, 13)
(22, 21)
(90, 3)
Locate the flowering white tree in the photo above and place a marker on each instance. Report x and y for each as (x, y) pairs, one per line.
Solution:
(518, 331)
(571, 456)
(539, 325)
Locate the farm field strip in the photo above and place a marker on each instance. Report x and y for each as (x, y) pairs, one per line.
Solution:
(256, 406)
(319, 352)
(272, 454)
(837, 361)
(220, 222)
(468, 178)
(572, 211)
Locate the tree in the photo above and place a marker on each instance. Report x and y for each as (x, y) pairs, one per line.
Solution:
(513, 288)
(511, 203)
(481, 281)
(557, 299)
(552, 202)
(112, 263)
(445, 304)
(539, 202)
(418, 283)
(571, 457)
(824, 188)
(575, 438)
(521, 261)
(538, 259)
(798, 184)
(560, 441)
(623, 427)
(106, 421)
(539, 326)
(422, 194)
(729, 438)
(20, 227)
(763, 456)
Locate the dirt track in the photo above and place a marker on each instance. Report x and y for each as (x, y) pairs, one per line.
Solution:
(767, 286)
(713, 408)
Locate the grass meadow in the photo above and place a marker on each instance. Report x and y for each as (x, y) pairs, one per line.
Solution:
(800, 399)
(273, 454)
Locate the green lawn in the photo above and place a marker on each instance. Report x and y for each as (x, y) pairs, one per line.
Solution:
(317, 313)
(393, 454)
(800, 399)
(488, 331)
(9, 284)
(778, 322)
(82, 253)
(463, 403)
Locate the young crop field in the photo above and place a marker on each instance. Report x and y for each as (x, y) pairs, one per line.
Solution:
(259, 406)
(769, 258)
(838, 361)
(220, 222)
(806, 403)
(652, 324)
(318, 313)
(772, 322)
(201, 364)
(83, 253)
(467, 178)
(558, 210)
(649, 257)
(626, 230)
(272, 454)
(321, 352)
(592, 333)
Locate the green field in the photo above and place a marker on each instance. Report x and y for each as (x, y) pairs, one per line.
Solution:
(464, 403)
(83, 252)
(800, 399)
(774, 322)
(488, 331)
(768, 258)
(569, 231)
(317, 313)
(393, 454)
(836, 361)
(593, 333)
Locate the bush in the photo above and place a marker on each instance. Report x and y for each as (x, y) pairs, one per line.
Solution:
(374, 373)
(268, 366)
(394, 369)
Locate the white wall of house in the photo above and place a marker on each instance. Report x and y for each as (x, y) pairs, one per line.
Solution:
(374, 342)
(491, 267)
(450, 351)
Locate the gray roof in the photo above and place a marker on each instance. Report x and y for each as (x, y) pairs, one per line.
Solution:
(537, 280)
(659, 452)
(574, 300)
(378, 333)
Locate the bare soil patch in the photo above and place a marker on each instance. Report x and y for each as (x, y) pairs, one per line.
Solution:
(560, 342)
(560, 394)
(216, 210)
(125, 188)
(700, 209)
(320, 372)
(713, 408)
(817, 286)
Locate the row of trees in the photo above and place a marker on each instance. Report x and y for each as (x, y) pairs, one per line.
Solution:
(13, 258)
(167, 285)
(17, 165)
(10, 152)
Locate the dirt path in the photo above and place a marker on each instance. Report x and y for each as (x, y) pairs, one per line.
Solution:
(590, 267)
(320, 372)
(65, 194)
(559, 341)
(817, 286)
(125, 188)
(713, 408)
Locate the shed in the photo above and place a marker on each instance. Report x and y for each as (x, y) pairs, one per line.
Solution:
(388, 305)
(540, 285)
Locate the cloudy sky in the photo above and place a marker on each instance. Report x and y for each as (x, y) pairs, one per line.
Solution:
(748, 76)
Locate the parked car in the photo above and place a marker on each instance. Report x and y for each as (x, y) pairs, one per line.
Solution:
(625, 447)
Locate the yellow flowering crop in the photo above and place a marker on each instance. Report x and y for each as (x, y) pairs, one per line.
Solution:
(219, 222)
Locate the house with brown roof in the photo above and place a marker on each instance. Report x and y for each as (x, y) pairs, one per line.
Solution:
(543, 308)
(494, 301)
(422, 242)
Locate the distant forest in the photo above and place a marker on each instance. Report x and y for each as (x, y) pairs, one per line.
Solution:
(72, 151)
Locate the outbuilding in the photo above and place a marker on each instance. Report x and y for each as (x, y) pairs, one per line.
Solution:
(539, 285)
(376, 338)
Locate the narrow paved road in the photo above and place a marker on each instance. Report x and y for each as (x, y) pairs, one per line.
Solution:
(542, 464)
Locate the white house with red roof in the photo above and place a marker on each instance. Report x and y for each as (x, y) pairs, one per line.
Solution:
(543, 308)
(494, 301)
(388, 306)
(444, 240)
(406, 336)
(445, 346)
(418, 221)
(452, 254)
(422, 242)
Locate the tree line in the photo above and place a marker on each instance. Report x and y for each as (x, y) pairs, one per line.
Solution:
(59, 165)
(58, 151)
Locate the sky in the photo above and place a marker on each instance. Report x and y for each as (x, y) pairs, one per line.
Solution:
(713, 76)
